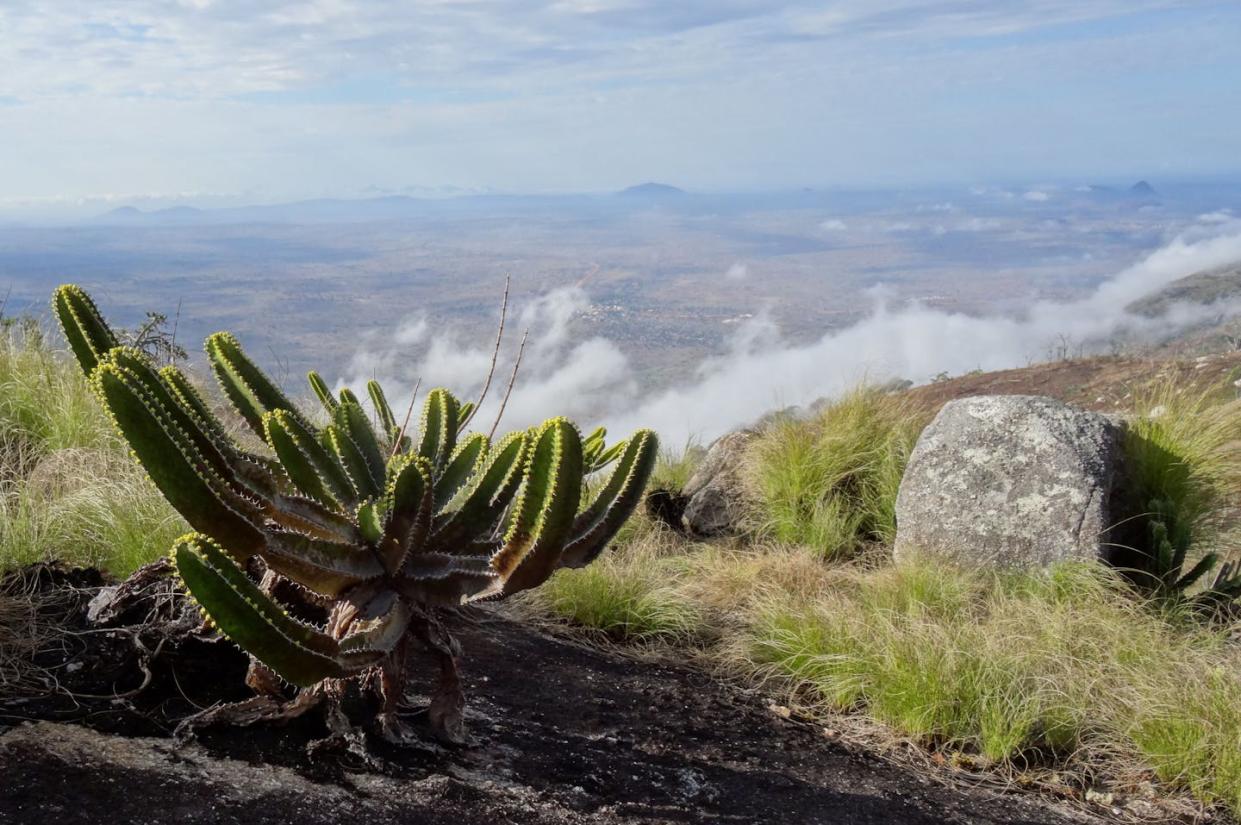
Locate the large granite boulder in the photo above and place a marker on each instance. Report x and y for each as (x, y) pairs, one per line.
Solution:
(715, 500)
(1010, 482)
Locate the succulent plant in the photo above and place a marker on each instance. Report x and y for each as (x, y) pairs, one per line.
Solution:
(1161, 572)
(379, 534)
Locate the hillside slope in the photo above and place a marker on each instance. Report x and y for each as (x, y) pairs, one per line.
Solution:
(1105, 384)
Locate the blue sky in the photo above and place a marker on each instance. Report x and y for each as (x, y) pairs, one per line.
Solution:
(267, 99)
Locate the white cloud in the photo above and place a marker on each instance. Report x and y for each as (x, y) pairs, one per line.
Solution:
(918, 343)
(578, 378)
(739, 271)
(1036, 196)
(591, 379)
(832, 225)
(285, 98)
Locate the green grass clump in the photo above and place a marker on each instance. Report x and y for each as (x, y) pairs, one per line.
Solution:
(631, 596)
(68, 489)
(830, 482)
(674, 468)
(1192, 736)
(1052, 665)
(45, 404)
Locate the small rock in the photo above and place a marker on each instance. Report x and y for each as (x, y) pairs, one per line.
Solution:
(715, 496)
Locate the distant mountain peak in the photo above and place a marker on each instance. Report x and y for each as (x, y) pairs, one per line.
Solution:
(1144, 189)
(123, 212)
(652, 190)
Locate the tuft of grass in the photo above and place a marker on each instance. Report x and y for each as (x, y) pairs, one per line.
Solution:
(68, 488)
(631, 596)
(674, 468)
(830, 482)
(1192, 735)
(45, 403)
(1036, 666)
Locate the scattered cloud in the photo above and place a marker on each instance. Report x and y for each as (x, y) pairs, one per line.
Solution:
(739, 271)
(302, 97)
(591, 378)
(980, 225)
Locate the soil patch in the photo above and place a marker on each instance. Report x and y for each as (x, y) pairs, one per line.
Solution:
(564, 734)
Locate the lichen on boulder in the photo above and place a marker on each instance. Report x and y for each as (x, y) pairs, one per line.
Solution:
(1011, 482)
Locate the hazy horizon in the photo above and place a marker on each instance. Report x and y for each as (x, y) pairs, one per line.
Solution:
(206, 101)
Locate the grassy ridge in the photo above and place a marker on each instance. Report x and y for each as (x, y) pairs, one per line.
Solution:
(1065, 668)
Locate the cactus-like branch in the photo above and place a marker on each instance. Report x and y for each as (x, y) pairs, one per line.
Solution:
(409, 499)
(466, 460)
(351, 420)
(440, 415)
(298, 464)
(89, 336)
(178, 469)
(543, 515)
(249, 390)
(476, 508)
(595, 526)
(285, 434)
(349, 455)
(380, 402)
(319, 387)
(324, 567)
(448, 581)
(249, 617)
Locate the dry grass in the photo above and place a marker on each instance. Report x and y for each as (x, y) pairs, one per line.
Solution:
(22, 635)
(1061, 673)
(68, 488)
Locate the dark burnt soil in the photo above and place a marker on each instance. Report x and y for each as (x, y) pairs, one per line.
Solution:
(564, 734)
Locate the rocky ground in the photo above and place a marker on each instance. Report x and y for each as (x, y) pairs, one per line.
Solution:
(564, 734)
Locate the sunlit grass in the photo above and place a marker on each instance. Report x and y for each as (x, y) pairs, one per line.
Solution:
(830, 482)
(68, 488)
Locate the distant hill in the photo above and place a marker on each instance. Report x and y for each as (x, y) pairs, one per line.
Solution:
(171, 214)
(652, 191)
(1140, 194)
(123, 213)
(1220, 333)
(1207, 287)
